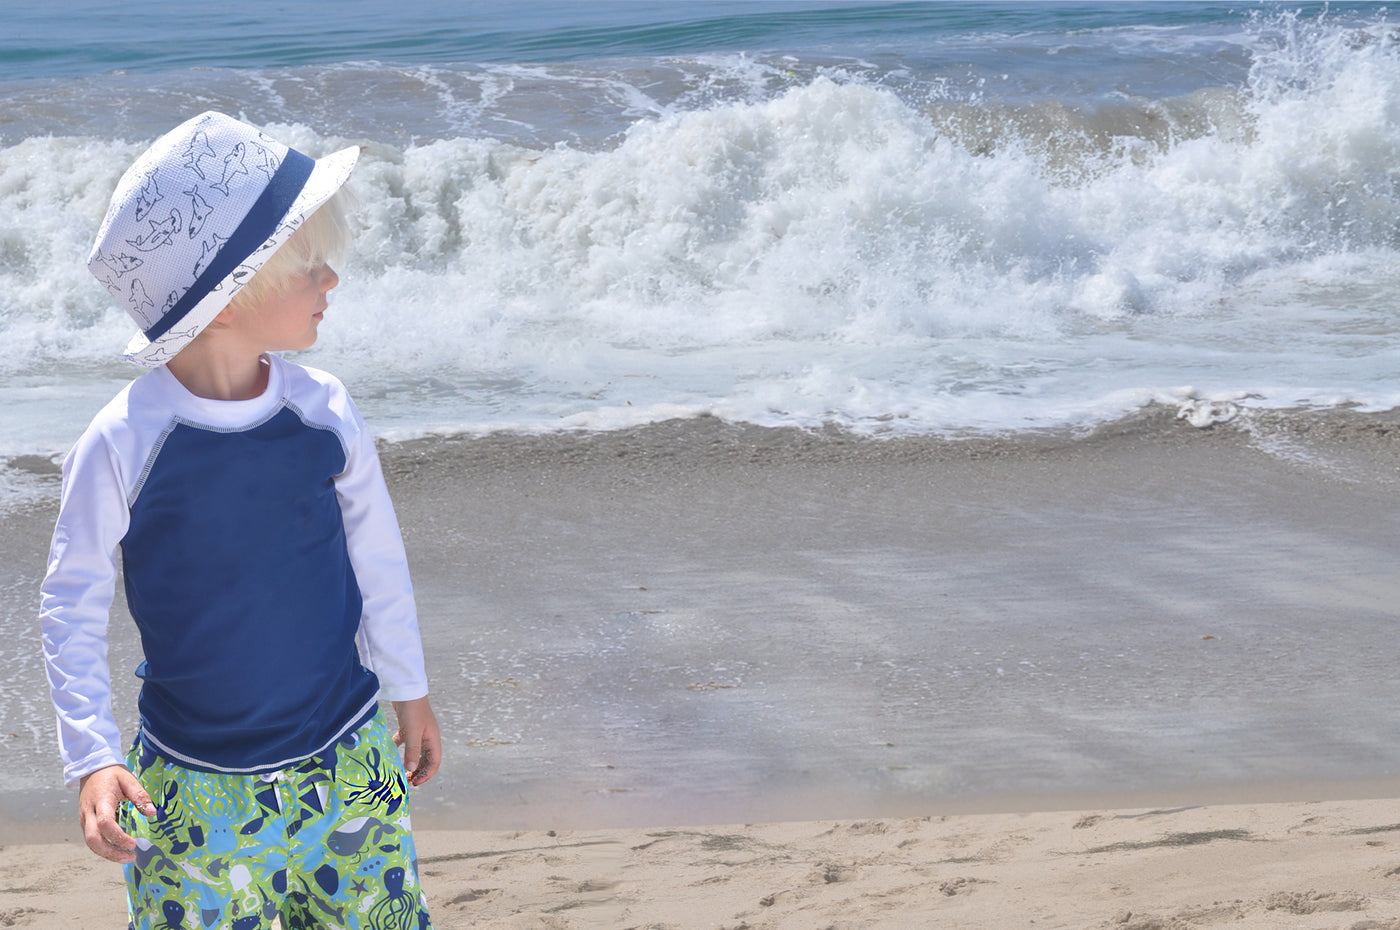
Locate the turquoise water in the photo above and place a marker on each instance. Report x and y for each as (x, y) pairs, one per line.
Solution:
(88, 37)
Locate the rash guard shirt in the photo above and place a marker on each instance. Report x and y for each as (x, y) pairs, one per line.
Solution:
(262, 563)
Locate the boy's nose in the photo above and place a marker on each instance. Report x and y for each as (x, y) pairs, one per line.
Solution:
(327, 278)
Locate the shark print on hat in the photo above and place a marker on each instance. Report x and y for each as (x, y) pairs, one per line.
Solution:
(195, 217)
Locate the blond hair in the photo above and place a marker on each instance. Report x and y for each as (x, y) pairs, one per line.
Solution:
(322, 236)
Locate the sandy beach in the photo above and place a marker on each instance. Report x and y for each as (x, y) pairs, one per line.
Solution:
(1295, 865)
(1137, 678)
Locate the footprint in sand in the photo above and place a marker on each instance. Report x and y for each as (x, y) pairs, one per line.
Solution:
(1311, 902)
(832, 874)
(957, 886)
(1298, 903)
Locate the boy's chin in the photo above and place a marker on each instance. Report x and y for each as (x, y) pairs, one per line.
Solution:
(297, 345)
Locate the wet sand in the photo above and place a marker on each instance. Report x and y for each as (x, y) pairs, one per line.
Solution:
(697, 622)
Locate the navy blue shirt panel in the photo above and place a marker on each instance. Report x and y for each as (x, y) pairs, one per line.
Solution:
(237, 572)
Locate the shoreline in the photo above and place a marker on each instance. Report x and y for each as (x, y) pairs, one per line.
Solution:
(27, 828)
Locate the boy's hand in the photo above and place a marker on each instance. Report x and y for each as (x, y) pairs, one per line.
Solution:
(418, 735)
(102, 792)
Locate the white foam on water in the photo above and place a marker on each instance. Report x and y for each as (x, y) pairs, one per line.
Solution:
(836, 253)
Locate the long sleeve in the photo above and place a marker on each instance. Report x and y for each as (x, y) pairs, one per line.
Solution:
(388, 641)
(75, 604)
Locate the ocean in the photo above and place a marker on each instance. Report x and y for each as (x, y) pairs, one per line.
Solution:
(585, 223)
(890, 218)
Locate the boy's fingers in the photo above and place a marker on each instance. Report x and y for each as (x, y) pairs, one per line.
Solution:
(420, 738)
(131, 787)
(426, 762)
(412, 750)
(102, 795)
(427, 766)
(105, 836)
(420, 761)
(113, 851)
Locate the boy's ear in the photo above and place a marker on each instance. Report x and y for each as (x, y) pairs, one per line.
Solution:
(223, 317)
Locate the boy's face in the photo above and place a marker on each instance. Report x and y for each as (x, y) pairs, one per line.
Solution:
(288, 320)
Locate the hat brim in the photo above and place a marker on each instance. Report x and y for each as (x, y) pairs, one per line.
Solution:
(328, 176)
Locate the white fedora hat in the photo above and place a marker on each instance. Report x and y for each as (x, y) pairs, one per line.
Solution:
(195, 216)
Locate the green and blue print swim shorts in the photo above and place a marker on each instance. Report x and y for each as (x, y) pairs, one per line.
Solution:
(324, 843)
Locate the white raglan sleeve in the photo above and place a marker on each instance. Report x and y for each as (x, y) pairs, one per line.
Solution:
(388, 640)
(75, 604)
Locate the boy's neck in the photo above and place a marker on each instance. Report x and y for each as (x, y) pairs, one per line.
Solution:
(218, 375)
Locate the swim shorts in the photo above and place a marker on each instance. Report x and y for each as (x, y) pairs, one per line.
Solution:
(323, 843)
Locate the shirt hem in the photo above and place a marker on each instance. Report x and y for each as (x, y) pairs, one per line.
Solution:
(356, 721)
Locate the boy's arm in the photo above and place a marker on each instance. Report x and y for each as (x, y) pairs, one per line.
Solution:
(75, 600)
(389, 642)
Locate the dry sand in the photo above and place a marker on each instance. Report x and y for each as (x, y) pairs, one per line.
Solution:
(1295, 865)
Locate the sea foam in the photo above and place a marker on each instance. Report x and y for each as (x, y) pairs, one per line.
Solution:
(845, 249)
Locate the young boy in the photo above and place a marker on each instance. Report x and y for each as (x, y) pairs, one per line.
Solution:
(261, 559)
